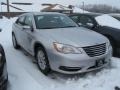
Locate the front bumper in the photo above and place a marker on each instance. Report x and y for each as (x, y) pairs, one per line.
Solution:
(4, 79)
(3, 70)
(77, 63)
(3, 83)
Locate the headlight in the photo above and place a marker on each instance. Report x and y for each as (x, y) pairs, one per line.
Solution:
(66, 49)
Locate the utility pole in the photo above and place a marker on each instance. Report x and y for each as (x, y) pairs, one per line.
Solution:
(83, 6)
(1, 10)
(8, 9)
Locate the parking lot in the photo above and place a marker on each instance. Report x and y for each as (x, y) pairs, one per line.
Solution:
(25, 75)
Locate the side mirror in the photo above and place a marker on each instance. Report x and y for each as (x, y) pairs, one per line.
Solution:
(80, 24)
(87, 25)
(90, 25)
(26, 27)
(0, 30)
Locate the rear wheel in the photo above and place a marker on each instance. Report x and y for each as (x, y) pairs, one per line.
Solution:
(42, 60)
(15, 44)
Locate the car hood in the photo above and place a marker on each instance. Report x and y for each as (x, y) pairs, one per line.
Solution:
(77, 36)
(109, 21)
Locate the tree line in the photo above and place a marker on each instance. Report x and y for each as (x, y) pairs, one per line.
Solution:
(100, 8)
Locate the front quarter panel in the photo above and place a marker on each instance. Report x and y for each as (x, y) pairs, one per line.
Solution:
(43, 39)
(109, 31)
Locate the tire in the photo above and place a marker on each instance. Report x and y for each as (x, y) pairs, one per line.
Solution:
(118, 52)
(15, 44)
(113, 45)
(42, 60)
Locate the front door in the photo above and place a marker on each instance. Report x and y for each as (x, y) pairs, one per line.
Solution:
(86, 22)
(19, 30)
(28, 37)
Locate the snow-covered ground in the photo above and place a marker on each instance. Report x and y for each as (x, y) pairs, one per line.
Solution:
(24, 74)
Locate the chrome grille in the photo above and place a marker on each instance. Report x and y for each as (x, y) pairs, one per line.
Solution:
(95, 50)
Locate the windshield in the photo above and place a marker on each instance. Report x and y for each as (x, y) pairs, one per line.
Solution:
(53, 21)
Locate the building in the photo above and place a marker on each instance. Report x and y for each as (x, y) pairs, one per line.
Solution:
(56, 8)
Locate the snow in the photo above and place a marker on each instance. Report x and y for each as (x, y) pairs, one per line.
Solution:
(59, 7)
(106, 20)
(24, 74)
(73, 2)
(37, 5)
(28, 8)
(78, 10)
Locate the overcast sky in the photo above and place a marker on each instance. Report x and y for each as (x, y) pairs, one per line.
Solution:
(115, 3)
(110, 2)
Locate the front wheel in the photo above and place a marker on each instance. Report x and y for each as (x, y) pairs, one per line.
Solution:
(15, 44)
(42, 60)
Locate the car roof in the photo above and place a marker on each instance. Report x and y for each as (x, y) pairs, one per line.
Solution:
(115, 15)
(87, 14)
(42, 13)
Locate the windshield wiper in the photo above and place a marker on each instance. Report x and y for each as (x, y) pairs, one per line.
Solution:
(57, 27)
(47, 28)
(68, 26)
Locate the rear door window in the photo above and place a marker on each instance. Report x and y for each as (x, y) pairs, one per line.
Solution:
(75, 18)
(28, 20)
(20, 20)
(84, 20)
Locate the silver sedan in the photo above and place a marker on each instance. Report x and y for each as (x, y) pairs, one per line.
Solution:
(58, 43)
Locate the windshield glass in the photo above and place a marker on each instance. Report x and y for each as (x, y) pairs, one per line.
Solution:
(53, 21)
